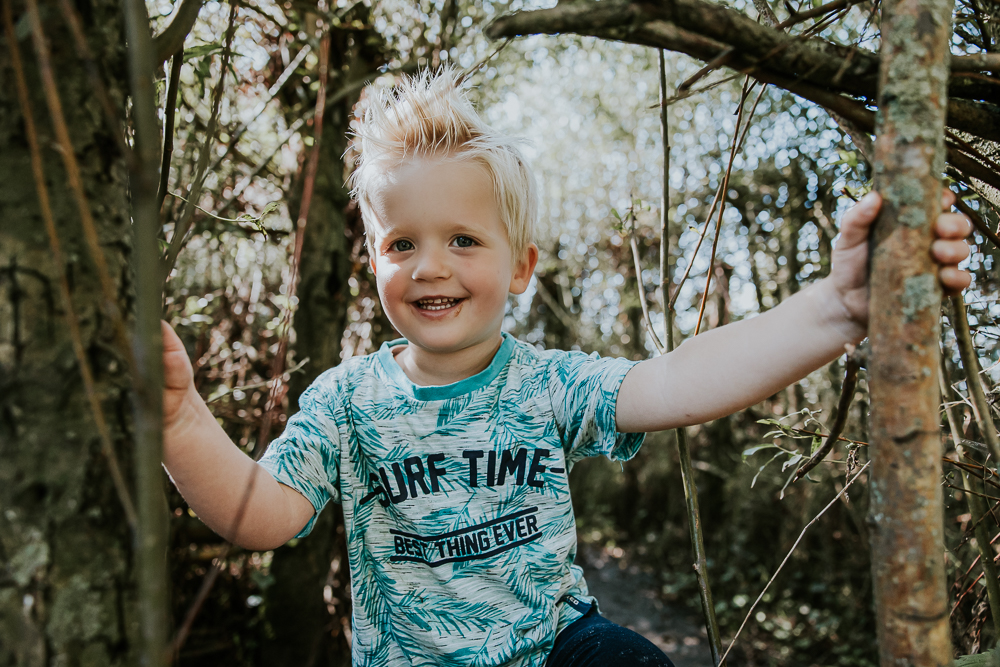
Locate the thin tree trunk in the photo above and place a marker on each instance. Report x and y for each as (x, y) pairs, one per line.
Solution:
(906, 499)
(67, 595)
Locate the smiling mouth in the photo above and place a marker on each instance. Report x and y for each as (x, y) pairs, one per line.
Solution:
(438, 303)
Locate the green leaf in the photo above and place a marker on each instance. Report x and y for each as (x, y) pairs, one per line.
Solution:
(201, 50)
(754, 450)
(761, 469)
(790, 462)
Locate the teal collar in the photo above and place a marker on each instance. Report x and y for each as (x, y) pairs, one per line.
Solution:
(444, 391)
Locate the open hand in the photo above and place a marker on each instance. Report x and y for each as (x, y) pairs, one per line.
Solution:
(850, 257)
(178, 376)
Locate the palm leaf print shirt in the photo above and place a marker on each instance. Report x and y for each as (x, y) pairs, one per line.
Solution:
(461, 535)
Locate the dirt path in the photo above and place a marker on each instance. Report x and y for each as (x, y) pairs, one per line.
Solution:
(628, 597)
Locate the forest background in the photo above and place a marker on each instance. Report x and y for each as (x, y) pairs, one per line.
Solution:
(267, 278)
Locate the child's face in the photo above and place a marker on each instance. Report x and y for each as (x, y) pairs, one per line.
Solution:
(441, 256)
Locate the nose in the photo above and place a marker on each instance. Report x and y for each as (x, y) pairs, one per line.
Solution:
(431, 264)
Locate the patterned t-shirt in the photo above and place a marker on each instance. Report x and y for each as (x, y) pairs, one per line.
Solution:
(461, 534)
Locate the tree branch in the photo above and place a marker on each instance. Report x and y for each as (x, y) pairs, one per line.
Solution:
(809, 67)
(171, 40)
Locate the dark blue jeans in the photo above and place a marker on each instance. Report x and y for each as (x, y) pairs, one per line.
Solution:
(594, 641)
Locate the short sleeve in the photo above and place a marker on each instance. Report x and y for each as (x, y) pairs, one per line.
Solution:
(306, 456)
(584, 391)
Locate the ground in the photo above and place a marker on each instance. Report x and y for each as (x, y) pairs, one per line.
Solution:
(629, 596)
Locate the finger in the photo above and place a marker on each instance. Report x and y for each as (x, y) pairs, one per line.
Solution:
(949, 252)
(954, 280)
(858, 220)
(171, 341)
(947, 199)
(953, 226)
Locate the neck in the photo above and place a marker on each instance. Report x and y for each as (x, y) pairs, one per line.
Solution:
(426, 368)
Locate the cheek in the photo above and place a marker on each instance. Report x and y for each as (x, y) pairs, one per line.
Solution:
(385, 277)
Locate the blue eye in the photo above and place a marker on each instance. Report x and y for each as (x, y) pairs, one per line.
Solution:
(401, 246)
(464, 242)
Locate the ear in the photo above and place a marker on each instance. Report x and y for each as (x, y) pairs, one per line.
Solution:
(524, 269)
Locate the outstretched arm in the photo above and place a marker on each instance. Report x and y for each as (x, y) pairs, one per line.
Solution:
(230, 492)
(730, 368)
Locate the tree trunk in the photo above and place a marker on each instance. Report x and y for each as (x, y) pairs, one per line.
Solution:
(906, 508)
(305, 632)
(66, 590)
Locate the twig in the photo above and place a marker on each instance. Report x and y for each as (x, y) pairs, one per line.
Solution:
(257, 385)
(261, 164)
(277, 367)
(697, 247)
(482, 61)
(967, 351)
(978, 61)
(169, 114)
(38, 171)
(647, 322)
(977, 220)
(668, 329)
(683, 450)
(271, 93)
(711, 212)
(554, 306)
(727, 55)
(843, 408)
(171, 40)
(737, 144)
(199, 600)
(971, 167)
(183, 225)
(258, 221)
(789, 554)
(971, 492)
(971, 151)
(108, 290)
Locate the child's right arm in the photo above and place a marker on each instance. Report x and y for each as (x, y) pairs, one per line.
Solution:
(228, 490)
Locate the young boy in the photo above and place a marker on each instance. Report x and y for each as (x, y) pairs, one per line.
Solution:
(450, 449)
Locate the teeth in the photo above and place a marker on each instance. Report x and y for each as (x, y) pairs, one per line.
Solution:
(437, 304)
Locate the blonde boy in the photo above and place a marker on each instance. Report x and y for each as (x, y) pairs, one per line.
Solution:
(450, 449)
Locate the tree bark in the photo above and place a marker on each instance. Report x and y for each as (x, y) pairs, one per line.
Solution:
(906, 511)
(66, 590)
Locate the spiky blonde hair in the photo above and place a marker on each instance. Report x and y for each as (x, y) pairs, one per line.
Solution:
(430, 115)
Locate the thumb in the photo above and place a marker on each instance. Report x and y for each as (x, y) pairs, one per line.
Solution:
(171, 341)
(858, 220)
(177, 371)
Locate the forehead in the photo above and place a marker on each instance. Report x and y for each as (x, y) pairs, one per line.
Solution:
(428, 190)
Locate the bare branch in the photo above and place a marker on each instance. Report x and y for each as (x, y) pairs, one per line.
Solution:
(843, 408)
(171, 40)
(809, 67)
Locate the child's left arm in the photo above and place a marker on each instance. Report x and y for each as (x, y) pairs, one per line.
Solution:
(730, 368)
